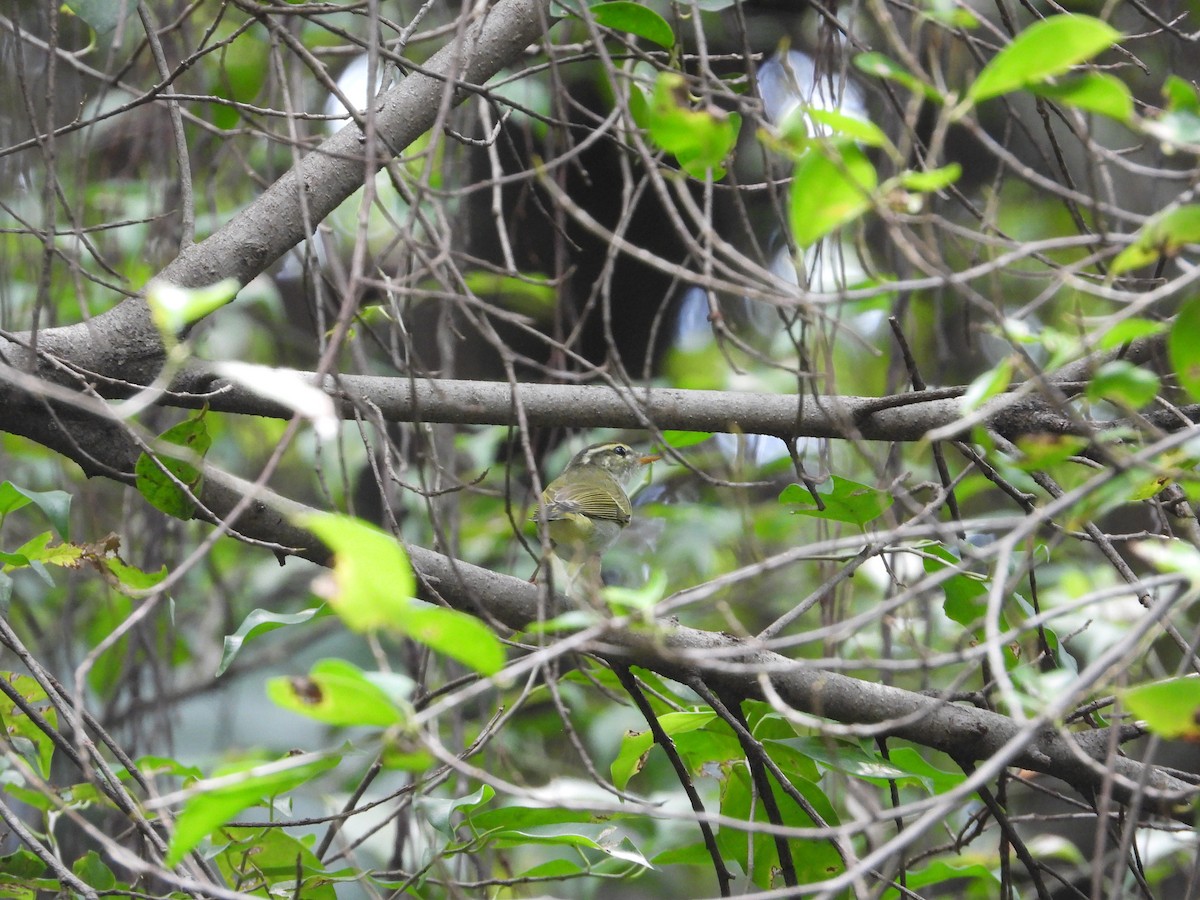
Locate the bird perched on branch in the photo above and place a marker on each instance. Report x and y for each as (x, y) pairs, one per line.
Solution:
(586, 508)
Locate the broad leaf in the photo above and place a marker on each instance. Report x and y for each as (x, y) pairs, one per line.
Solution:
(337, 692)
(831, 187)
(1095, 92)
(699, 139)
(1183, 347)
(1170, 708)
(157, 486)
(1043, 50)
(844, 501)
(634, 18)
(234, 788)
(1164, 235)
(373, 586)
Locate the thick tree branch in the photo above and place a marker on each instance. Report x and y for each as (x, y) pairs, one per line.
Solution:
(905, 417)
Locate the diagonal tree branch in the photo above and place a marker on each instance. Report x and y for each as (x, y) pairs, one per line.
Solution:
(123, 343)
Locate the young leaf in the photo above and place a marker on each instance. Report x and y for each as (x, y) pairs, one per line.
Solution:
(882, 66)
(682, 439)
(931, 180)
(1128, 330)
(373, 583)
(1044, 49)
(838, 123)
(831, 187)
(455, 634)
(1179, 124)
(157, 486)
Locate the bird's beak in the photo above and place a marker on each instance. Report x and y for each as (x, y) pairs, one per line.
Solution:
(646, 460)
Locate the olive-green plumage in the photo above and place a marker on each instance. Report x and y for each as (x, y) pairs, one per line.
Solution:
(586, 507)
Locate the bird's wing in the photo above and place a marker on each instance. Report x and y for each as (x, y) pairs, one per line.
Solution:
(595, 502)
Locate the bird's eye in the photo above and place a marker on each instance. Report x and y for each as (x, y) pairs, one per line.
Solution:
(621, 450)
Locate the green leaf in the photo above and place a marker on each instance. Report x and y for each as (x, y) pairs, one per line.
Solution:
(174, 308)
(842, 125)
(1169, 708)
(845, 501)
(1183, 347)
(373, 587)
(1164, 235)
(1181, 95)
(460, 636)
(992, 382)
(627, 600)
(496, 820)
(26, 736)
(92, 871)
(131, 578)
(831, 187)
(102, 16)
(234, 788)
(157, 486)
(1044, 49)
(681, 439)
(932, 180)
(37, 550)
(1128, 330)
(373, 581)
(523, 295)
(636, 745)
(1095, 92)
(978, 879)
(259, 621)
(1121, 382)
(1179, 124)
(22, 864)
(882, 66)
(634, 18)
(272, 859)
(905, 767)
(439, 811)
(337, 693)
(54, 505)
(739, 800)
(699, 139)
(965, 592)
